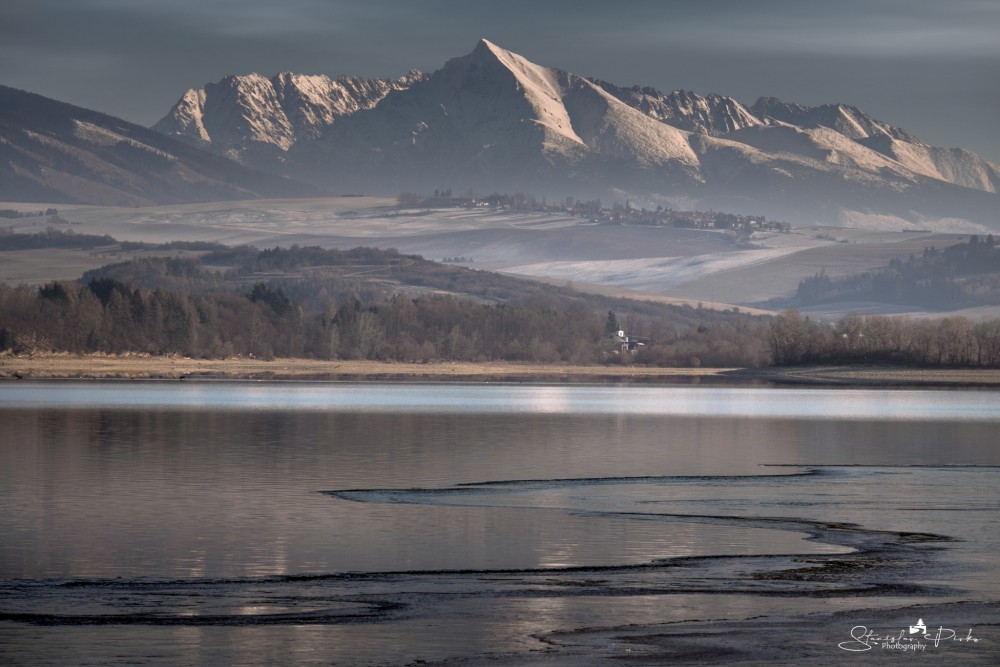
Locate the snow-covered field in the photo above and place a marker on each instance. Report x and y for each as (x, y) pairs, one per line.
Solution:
(697, 266)
(653, 274)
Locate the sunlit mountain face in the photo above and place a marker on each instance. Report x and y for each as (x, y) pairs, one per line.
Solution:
(493, 120)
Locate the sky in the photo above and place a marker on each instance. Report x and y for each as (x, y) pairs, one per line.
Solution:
(928, 66)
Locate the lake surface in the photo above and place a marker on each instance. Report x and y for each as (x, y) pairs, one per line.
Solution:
(323, 523)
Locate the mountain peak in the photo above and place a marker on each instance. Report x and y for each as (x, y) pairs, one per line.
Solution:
(541, 87)
(493, 118)
(488, 52)
(485, 44)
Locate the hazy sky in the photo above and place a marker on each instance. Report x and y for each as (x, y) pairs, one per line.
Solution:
(929, 66)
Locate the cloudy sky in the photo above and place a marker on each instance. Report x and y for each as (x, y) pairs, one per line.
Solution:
(929, 66)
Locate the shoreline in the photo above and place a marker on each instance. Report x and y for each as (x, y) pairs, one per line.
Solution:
(56, 366)
(141, 367)
(873, 376)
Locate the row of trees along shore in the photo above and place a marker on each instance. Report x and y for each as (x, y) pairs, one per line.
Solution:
(937, 342)
(108, 316)
(366, 303)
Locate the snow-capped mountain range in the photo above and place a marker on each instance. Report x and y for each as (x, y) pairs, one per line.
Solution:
(494, 121)
(256, 120)
(51, 151)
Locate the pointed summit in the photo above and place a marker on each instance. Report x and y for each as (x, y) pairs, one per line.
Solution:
(486, 52)
(495, 72)
(493, 119)
(486, 46)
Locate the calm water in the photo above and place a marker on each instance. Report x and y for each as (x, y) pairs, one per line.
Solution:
(253, 523)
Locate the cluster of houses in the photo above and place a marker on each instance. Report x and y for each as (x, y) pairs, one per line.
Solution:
(594, 211)
(666, 217)
(628, 343)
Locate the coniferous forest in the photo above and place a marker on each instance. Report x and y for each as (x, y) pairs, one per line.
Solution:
(962, 275)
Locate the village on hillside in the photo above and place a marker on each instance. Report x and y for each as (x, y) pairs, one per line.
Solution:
(594, 211)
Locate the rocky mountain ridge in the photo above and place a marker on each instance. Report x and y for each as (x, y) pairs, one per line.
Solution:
(51, 151)
(493, 120)
(255, 120)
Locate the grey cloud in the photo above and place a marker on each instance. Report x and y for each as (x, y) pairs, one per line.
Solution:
(135, 57)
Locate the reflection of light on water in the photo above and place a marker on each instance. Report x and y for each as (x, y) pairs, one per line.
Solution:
(562, 555)
(550, 399)
(851, 404)
(194, 566)
(259, 609)
(532, 618)
(273, 560)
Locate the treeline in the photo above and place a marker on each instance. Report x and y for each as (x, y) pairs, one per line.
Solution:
(312, 276)
(14, 214)
(962, 275)
(374, 304)
(108, 316)
(356, 304)
(52, 237)
(939, 342)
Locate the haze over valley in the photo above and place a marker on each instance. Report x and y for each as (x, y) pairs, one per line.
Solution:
(707, 268)
(848, 192)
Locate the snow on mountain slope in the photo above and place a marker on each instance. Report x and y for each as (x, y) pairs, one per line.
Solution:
(494, 120)
(953, 165)
(540, 86)
(826, 147)
(963, 167)
(573, 109)
(617, 131)
(255, 120)
(55, 152)
(714, 115)
(188, 118)
(246, 108)
(488, 118)
(847, 120)
(314, 102)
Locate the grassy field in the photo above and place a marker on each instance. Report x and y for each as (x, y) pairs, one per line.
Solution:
(99, 366)
(96, 366)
